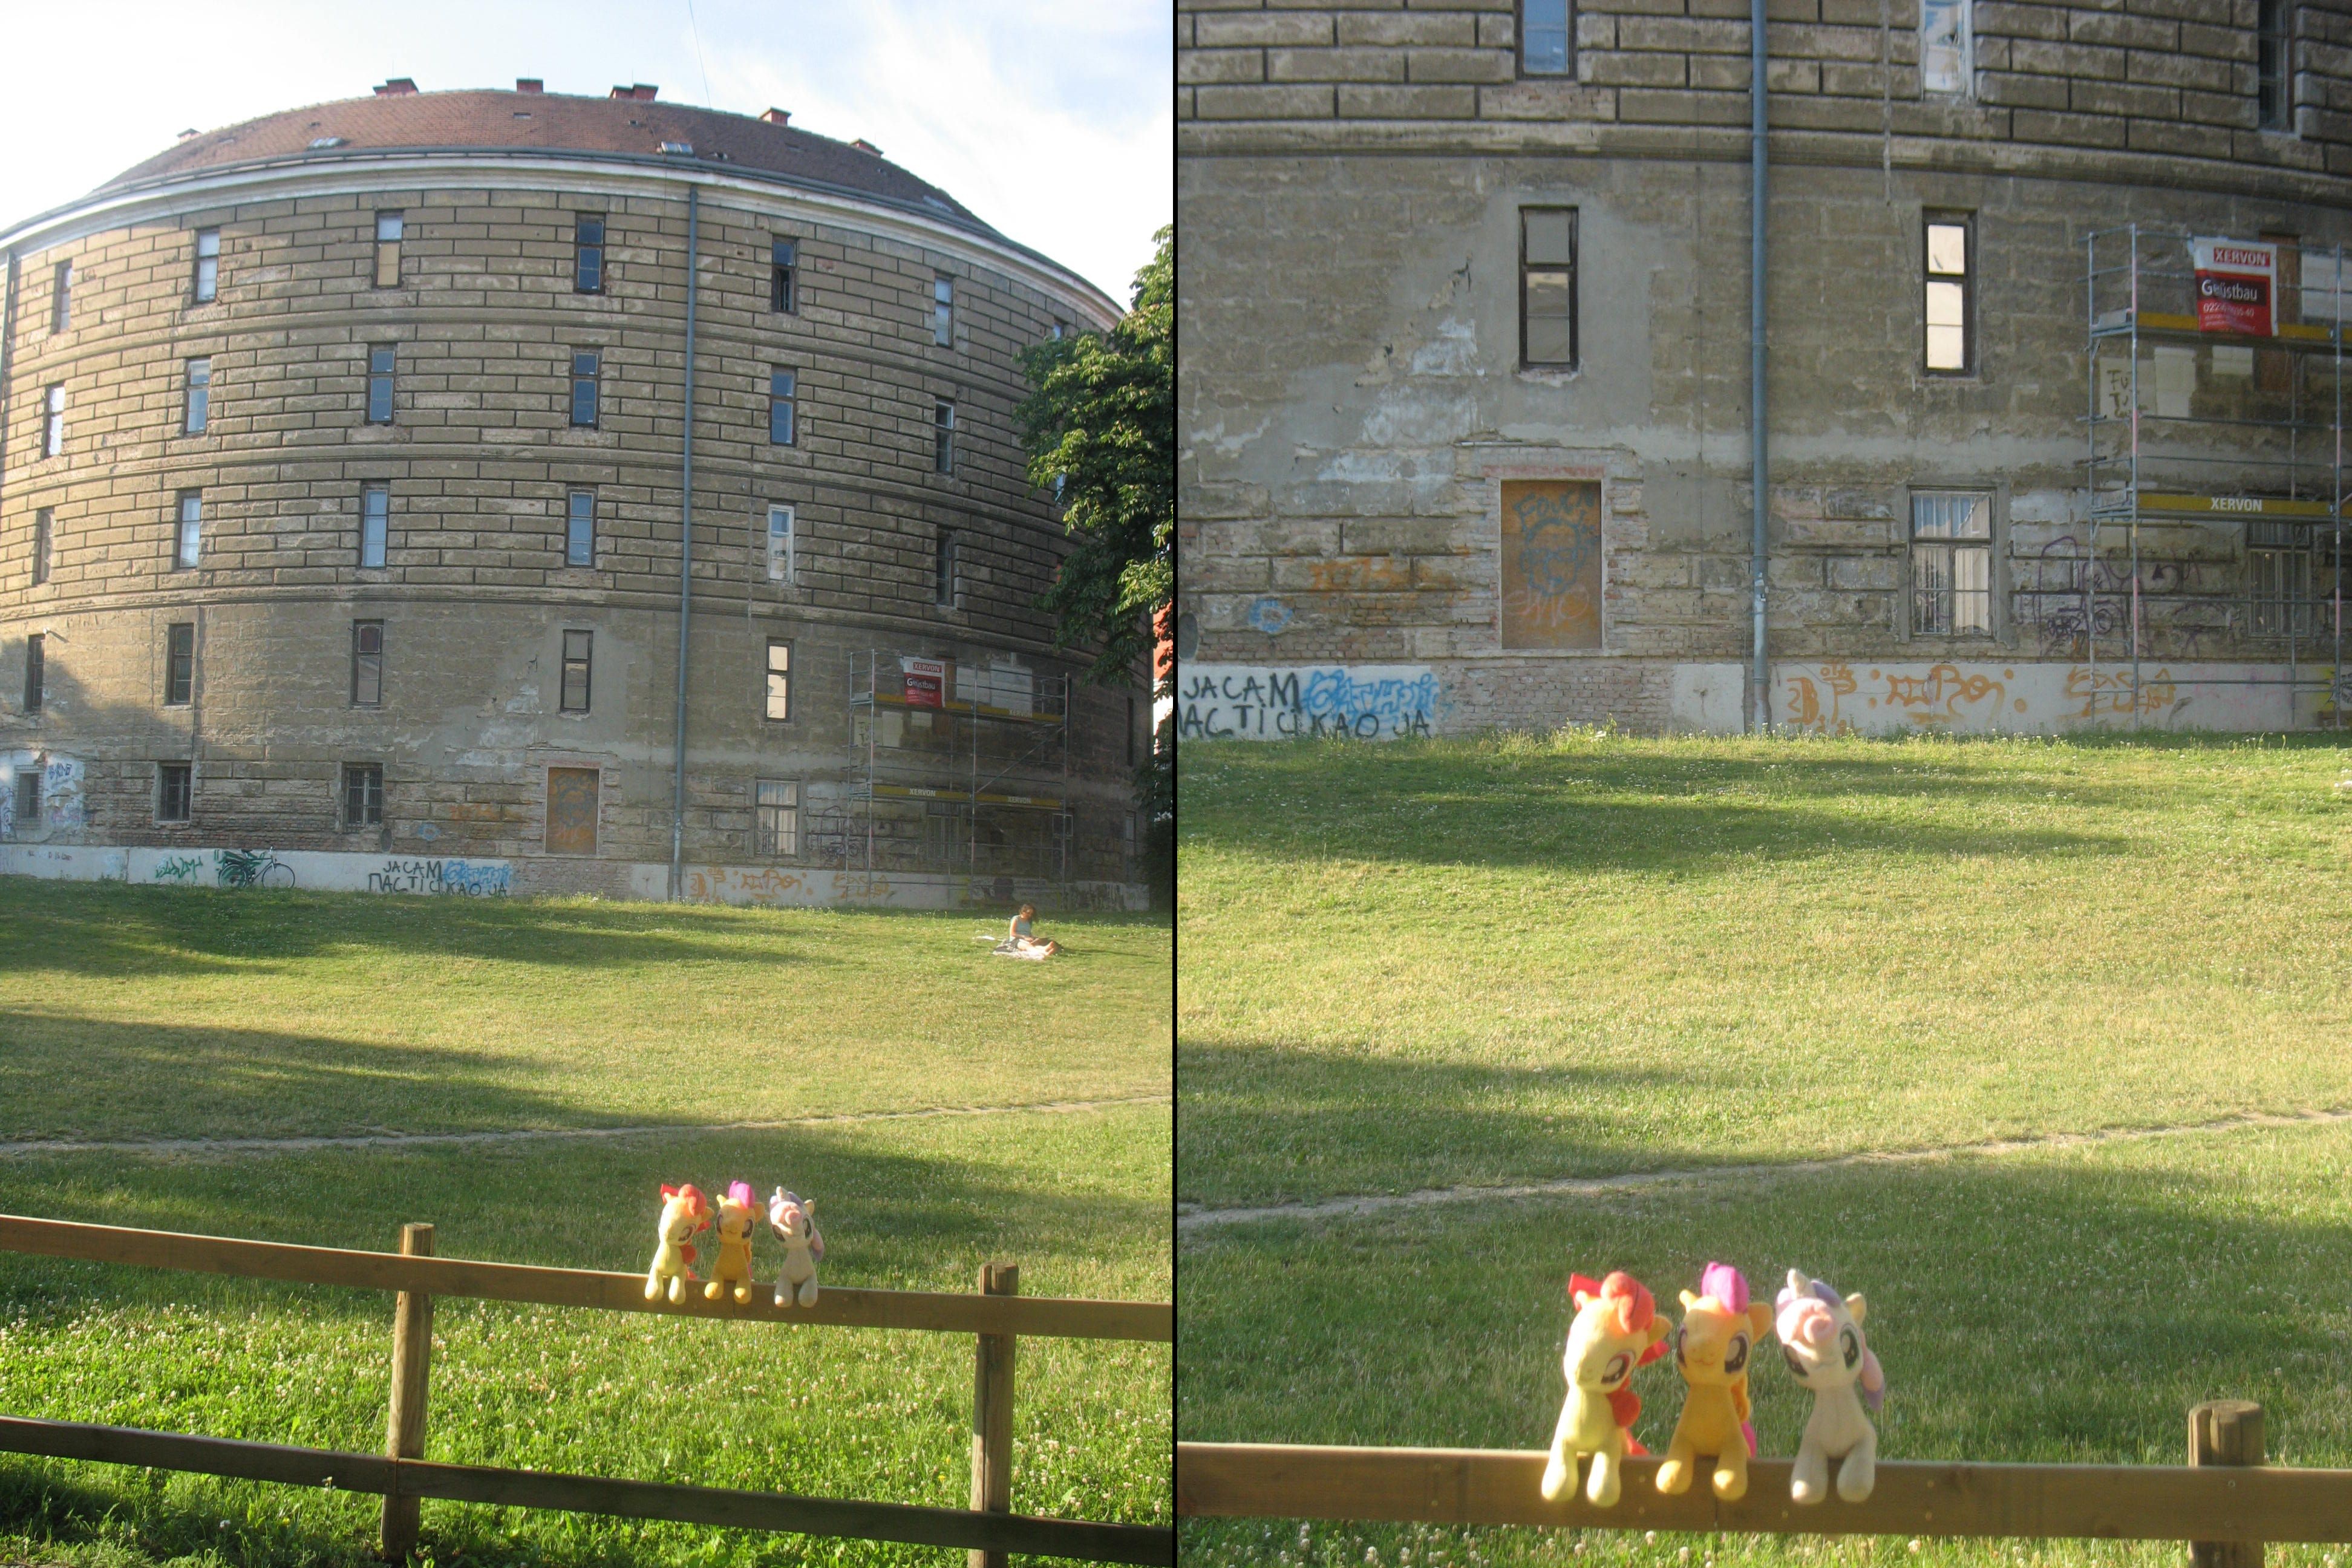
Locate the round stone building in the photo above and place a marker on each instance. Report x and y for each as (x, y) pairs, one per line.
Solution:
(488, 492)
(2055, 384)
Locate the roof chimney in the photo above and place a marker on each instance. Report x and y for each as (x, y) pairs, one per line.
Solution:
(644, 92)
(863, 145)
(190, 133)
(778, 117)
(398, 86)
(530, 84)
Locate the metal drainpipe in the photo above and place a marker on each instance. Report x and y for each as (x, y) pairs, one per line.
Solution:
(685, 554)
(1761, 699)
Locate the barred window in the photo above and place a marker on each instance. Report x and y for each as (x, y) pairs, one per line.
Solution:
(2290, 587)
(580, 529)
(1951, 564)
(783, 287)
(2273, 77)
(362, 795)
(207, 283)
(367, 664)
(200, 396)
(1547, 288)
(29, 797)
(174, 784)
(587, 366)
(779, 680)
(777, 805)
(36, 669)
(375, 524)
(388, 227)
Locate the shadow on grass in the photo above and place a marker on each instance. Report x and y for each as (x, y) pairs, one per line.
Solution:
(2061, 1310)
(1288, 1115)
(1624, 809)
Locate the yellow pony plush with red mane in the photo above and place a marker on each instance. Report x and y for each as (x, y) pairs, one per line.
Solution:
(1617, 1329)
(684, 1212)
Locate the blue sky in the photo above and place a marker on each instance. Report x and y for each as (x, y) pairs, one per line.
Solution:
(1051, 119)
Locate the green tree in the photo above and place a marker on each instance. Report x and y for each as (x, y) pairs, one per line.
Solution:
(1099, 426)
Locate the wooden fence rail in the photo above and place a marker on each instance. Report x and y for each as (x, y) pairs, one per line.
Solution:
(2213, 1502)
(996, 1315)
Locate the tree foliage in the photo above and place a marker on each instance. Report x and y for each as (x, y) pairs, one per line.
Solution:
(1101, 420)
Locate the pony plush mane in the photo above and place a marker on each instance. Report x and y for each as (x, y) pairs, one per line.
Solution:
(1727, 1285)
(1626, 1298)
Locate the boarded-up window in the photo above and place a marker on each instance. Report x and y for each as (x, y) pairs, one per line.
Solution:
(572, 811)
(1551, 564)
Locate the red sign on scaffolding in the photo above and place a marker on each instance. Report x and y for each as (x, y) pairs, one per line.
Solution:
(2237, 287)
(926, 681)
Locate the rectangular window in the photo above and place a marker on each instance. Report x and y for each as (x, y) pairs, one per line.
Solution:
(1950, 256)
(375, 524)
(188, 543)
(1546, 29)
(381, 360)
(588, 255)
(1947, 46)
(2286, 567)
(174, 784)
(943, 311)
(29, 797)
(587, 367)
(1547, 288)
(576, 651)
(780, 680)
(781, 566)
(387, 250)
(943, 572)
(783, 287)
(44, 534)
(580, 529)
(1951, 564)
(2273, 83)
(780, 407)
(777, 805)
(367, 664)
(179, 664)
(53, 421)
(200, 397)
(572, 810)
(208, 278)
(362, 795)
(943, 436)
(37, 665)
(61, 298)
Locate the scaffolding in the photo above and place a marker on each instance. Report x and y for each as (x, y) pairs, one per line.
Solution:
(965, 773)
(2268, 456)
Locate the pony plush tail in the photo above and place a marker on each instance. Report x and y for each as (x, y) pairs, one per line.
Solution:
(1873, 1382)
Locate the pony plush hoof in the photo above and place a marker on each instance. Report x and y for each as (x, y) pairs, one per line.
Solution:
(1731, 1485)
(1675, 1476)
(1602, 1490)
(743, 1294)
(678, 1290)
(710, 1291)
(1855, 1480)
(653, 1289)
(808, 1294)
(1556, 1478)
(783, 1296)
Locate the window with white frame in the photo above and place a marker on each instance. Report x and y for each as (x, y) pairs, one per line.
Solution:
(1951, 287)
(1546, 37)
(782, 565)
(1951, 563)
(580, 529)
(1947, 46)
(780, 680)
(205, 286)
(53, 421)
(776, 808)
(375, 524)
(188, 541)
(199, 410)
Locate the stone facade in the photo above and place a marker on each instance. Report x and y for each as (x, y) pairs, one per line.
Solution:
(478, 459)
(1358, 419)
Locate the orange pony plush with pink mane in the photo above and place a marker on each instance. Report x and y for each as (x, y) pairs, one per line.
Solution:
(684, 1212)
(1721, 1328)
(1617, 1329)
(738, 1215)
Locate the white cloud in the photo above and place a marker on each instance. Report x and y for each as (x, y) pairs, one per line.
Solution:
(1053, 121)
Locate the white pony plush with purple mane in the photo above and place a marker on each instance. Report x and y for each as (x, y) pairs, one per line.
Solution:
(1820, 1335)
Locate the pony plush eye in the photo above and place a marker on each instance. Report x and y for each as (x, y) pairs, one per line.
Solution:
(1619, 1365)
(1735, 1357)
(1791, 1357)
(1852, 1349)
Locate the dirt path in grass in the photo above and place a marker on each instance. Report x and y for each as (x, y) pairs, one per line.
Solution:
(1188, 1217)
(297, 1145)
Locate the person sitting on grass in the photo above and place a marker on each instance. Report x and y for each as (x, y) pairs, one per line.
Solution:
(1024, 936)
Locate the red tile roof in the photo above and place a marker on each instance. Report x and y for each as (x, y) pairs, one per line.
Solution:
(546, 123)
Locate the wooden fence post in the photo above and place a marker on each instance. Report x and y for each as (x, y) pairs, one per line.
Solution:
(991, 1412)
(412, 1360)
(2225, 1432)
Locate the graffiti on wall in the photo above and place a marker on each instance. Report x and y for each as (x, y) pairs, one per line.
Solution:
(61, 798)
(251, 869)
(743, 885)
(1551, 564)
(459, 878)
(1255, 702)
(185, 870)
(1841, 699)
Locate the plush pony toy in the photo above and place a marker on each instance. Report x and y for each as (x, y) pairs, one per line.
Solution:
(1821, 1336)
(793, 1218)
(738, 1215)
(684, 1212)
(1617, 1329)
(1720, 1327)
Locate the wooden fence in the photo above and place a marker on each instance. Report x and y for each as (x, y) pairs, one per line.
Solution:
(997, 1316)
(2225, 1501)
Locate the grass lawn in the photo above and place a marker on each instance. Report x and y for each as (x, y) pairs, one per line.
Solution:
(243, 1015)
(1436, 965)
